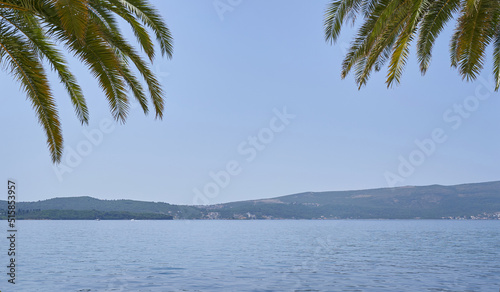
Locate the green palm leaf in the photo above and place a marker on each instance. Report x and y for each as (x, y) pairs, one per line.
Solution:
(438, 14)
(390, 26)
(73, 15)
(28, 70)
(29, 30)
(474, 31)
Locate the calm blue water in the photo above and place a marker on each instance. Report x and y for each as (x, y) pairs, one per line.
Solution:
(365, 255)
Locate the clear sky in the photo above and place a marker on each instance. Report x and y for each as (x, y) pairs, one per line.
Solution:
(256, 108)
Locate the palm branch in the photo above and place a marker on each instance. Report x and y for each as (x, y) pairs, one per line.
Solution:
(32, 30)
(390, 26)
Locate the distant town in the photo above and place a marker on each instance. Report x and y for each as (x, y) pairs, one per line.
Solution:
(483, 216)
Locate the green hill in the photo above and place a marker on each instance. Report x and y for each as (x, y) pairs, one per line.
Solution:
(466, 201)
(85, 215)
(432, 202)
(93, 204)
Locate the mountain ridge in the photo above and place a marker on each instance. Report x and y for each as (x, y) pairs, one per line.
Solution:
(462, 201)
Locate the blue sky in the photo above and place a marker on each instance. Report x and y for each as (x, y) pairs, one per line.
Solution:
(256, 108)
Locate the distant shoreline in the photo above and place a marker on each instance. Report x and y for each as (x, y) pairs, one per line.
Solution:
(478, 201)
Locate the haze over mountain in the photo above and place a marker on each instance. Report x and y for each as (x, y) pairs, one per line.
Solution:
(465, 201)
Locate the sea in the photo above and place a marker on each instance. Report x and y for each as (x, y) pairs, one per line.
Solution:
(254, 255)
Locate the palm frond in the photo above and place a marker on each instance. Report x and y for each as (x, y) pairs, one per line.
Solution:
(474, 31)
(383, 45)
(150, 17)
(73, 15)
(27, 69)
(156, 92)
(401, 48)
(438, 14)
(28, 25)
(30, 30)
(105, 64)
(377, 32)
(390, 26)
(138, 29)
(496, 60)
(336, 12)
